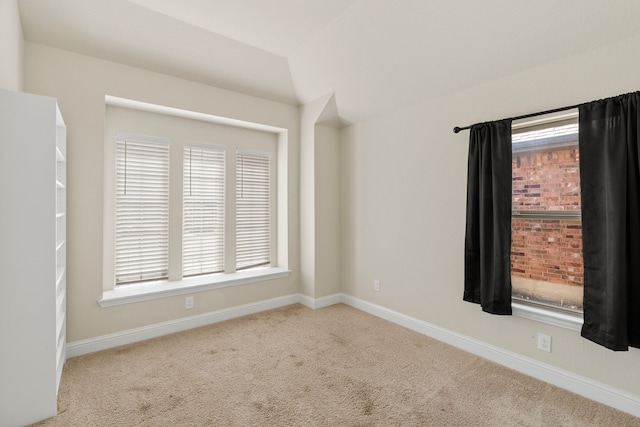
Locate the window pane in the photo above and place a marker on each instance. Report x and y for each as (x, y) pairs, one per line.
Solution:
(546, 261)
(253, 207)
(546, 251)
(546, 179)
(203, 210)
(142, 211)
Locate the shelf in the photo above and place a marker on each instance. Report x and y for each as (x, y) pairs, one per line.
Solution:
(61, 260)
(59, 155)
(61, 228)
(60, 355)
(60, 344)
(61, 174)
(61, 293)
(37, 353)
(59, 276)
(61, 315)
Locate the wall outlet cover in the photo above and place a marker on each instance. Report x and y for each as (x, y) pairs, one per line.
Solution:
(544, 342)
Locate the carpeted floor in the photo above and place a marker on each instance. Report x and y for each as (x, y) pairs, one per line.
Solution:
(300, 367)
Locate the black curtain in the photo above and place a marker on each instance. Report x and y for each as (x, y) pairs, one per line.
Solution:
(488, 230)
(609, 176)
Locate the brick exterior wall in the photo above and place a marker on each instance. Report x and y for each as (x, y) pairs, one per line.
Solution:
(547, 250)
(546, 180)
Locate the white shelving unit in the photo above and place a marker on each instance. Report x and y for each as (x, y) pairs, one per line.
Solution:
(33, 247)
(61, 245)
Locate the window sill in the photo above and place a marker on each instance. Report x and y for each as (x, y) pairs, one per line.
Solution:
(128, 294)
(563, 320)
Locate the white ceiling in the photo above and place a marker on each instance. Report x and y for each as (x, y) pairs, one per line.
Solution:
(375, 55)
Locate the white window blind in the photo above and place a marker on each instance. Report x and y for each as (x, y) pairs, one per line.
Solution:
(548, 132)
(203, 210)
(142, 209)
(253, 207)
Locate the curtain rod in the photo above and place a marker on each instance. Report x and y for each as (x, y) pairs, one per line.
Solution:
(526, 116)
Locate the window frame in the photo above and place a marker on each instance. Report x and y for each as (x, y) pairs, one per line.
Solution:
(556, 316)
(124, 294)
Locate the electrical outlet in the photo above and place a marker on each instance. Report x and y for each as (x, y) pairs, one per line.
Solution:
(188, 302)
(544, 342)
(376, 285)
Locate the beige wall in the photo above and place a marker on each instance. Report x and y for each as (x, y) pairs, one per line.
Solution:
(319, 199)
(308, 118)
(404, 195)
(80, 84)
(11, 46)
(327, 210)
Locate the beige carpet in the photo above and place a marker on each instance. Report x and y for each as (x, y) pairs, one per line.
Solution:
(295, 366)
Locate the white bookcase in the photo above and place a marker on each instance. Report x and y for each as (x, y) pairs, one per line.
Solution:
(33, 247)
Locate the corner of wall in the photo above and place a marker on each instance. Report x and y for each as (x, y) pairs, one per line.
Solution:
(319, 191)
(11, 47)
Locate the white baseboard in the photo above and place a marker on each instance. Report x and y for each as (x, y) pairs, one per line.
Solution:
(594, 390)
(103, 342)
(320, 302)
(619, 399)
(78, 348)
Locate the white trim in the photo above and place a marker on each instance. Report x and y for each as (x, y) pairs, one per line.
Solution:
(193, 115)
(127, 294)
(103, 342)
(549, 317)
(120, 136)
(546, 118)
(250, 152)
(603, 393)
(204, 145)
(78, 348)
(321, 302)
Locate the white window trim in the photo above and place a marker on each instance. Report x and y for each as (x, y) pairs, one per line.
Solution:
(550, 317)
(142, 138)
(562, 319)
(147, 291)
(249, 152)
(205, 145)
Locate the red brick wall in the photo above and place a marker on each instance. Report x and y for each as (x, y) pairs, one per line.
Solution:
(546, 180)
(547, 250)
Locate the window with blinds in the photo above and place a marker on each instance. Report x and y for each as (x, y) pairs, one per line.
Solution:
(203, 209)
(142, 209)
(253, 207)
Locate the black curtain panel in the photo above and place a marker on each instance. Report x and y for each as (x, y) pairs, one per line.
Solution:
(488, 230)
(609, 175)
